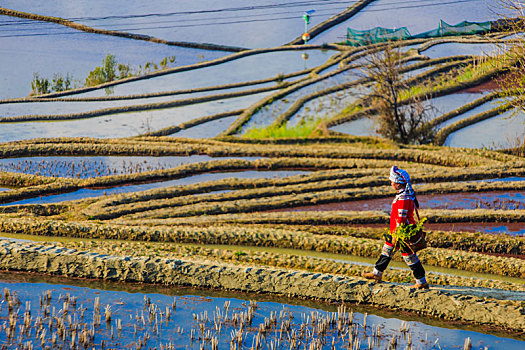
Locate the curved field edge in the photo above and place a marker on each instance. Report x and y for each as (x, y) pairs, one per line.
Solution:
(300, 102)
(331, 217)
(305, 261)
(258, 200)
(277, 79)
(331, 147)
(266, 237)
(267, 194)
(446, 89)
(138, 108)
(506, 314)
(190, 67)
(339, 240)
(87, 29)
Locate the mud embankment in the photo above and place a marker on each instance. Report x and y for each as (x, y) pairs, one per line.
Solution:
(507, 314)
(87, 29)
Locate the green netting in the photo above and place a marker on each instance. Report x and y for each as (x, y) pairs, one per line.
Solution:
(463, 28)
(434, 33)
(378, 34)
(375, 35)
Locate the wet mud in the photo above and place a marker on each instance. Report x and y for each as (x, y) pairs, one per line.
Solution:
(466, 307)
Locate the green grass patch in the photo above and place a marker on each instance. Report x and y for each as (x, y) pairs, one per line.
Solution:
(465, 74)
(302, 129)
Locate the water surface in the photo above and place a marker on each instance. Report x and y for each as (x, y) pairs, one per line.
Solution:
(137, 312)
(77, 52)
(91, 193)
(417, 15)
(96, 166)
(123, 124)
(499, 132)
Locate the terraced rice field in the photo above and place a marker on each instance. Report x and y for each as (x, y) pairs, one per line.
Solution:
(152, 179)
(136, 323)
(339, 171)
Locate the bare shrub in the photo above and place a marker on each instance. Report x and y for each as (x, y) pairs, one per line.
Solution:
(402, 117)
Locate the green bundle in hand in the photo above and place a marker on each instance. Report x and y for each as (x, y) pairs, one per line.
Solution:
(410, 237)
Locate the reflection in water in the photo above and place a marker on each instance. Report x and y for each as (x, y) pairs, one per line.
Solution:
(504, 131)
(453, 49)
(123, 124)
(87, 316)
(97, 166)
(254, 67)
(91, 193)
(206, 130)
(24, 53)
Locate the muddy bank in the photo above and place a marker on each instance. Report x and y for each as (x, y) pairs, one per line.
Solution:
(32, 257)
(500, 82)
(87, 29)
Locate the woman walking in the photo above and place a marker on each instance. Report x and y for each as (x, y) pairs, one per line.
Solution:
(403, 207)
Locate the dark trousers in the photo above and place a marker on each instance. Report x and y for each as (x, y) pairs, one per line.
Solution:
(410, 258)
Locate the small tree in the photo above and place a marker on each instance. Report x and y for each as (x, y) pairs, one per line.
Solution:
(95, 77)
(103, 74)
(61, 83)
(110, 65)
(402, 119)
(39, 86)
(124, 71)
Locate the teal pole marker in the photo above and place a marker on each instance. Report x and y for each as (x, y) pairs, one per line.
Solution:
(306, 17)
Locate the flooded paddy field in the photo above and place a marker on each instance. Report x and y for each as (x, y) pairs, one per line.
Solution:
(110, 315)
(359, 127)
(122, 124)
(452, 49)
(90, 167)
(488, 200)
(418, 16)
(101, 192)
(250, 68)
(206, 130)
(269, 64)
(207, 204)
(505, 131)
(233, 23)
(28, 52)
(480, 109)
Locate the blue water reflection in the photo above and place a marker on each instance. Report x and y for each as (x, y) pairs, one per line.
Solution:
(198, 314)
(91, 193)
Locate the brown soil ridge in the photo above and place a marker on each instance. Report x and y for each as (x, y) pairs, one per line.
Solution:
(32, 257)
(87, 29)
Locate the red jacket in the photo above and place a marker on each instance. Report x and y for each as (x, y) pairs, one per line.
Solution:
(402, 211)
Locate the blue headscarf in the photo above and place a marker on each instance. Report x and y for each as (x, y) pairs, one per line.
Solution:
(400, 176)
